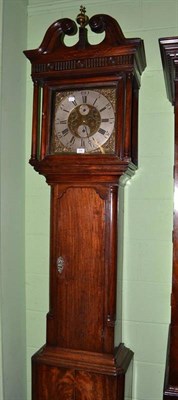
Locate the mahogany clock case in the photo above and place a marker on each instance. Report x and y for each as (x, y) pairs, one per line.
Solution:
(82, 156)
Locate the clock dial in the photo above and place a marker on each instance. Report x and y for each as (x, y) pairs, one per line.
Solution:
(84, 121)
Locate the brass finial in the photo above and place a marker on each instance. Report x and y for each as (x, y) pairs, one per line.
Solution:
(82, 19)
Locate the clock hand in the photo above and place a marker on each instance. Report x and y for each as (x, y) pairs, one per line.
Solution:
(101, 148)
(86, 130)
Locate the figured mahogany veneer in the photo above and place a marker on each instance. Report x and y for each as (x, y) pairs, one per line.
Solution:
(83, 228)
(169, 54)
(80, 359)
(82, 375)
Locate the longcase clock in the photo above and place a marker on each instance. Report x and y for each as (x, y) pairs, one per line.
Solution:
(169, 54)
(84, 137)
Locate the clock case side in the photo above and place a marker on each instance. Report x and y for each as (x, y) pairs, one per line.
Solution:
(116, 60)
(169, 56)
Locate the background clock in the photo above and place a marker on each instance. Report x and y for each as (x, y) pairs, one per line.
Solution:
(84, 121)
(169, 56)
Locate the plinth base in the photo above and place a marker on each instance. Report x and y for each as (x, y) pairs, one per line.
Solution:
(65, 374)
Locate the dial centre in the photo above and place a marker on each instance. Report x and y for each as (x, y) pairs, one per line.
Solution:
(84, 120)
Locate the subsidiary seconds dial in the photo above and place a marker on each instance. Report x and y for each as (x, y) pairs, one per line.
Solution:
(84, 121)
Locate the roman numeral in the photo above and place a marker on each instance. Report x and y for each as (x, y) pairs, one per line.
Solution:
(65, 132)
(63, 109)
(84, 98)
(102, 131)
(102, 109)
(74, 102)
(72, 140)
(95, 101)
(105, 120)
(106, 106)
(82, 142)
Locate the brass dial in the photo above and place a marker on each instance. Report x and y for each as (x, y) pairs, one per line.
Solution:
(84, 122)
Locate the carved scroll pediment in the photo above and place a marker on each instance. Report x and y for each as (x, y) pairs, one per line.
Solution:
(54, 36)
(54, 39)
(53, 48)
(169, 55)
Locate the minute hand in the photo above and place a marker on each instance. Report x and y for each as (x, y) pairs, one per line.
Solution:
(101, 148)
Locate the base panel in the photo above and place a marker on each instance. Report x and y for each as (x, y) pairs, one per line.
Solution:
(63, 374)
